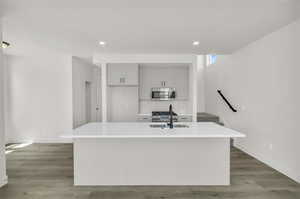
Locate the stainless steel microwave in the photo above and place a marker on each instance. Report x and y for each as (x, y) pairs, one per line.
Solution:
(163, 93)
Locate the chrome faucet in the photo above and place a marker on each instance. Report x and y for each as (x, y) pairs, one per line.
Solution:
(170, 124)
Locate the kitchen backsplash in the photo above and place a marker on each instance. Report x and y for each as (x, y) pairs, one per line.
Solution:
(180, 107)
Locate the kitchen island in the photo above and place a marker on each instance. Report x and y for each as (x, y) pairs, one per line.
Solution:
(149, 154)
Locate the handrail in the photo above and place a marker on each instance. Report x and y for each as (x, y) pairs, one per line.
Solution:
(227, 102)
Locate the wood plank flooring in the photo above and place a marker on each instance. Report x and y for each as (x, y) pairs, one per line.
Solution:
(45, 171)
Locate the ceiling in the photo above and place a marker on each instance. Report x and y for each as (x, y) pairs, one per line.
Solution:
(142, 26)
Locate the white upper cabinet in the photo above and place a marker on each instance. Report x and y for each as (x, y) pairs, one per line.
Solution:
(171, 77)
(123, 74)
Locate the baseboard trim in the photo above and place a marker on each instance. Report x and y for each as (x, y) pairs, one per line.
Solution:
(46, 141)
(3, 182)
(256, 156)
(53, 141)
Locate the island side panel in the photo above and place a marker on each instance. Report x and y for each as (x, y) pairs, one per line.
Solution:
(151, 161)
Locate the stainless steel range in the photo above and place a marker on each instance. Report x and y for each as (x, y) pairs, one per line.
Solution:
(163, 116)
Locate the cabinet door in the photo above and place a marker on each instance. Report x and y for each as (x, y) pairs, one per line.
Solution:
(178, 78)
(122, 74)
(172, 77)
(123, 104)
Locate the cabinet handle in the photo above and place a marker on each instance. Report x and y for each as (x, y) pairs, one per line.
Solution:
(122, 80)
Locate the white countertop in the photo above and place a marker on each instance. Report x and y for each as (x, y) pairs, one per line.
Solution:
(143, 130)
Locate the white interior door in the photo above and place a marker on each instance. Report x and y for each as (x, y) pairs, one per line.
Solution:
(88, 102)
(98, 108)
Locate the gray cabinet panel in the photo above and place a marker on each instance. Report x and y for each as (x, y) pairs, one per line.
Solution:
(122, 104)
(119, 74)
(173, 77)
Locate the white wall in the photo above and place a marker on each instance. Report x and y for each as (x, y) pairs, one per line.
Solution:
(3, 177)
(39, 96)
(201, 83)
(83, 72)
(262, 81)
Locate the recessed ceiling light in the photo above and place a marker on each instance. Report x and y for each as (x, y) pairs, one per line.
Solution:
(5, 44)
(196, 43)
(102, 43)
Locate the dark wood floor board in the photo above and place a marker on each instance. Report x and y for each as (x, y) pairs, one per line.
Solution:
(45, 171)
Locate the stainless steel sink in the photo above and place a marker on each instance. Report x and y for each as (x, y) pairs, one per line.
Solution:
(181, 126)
(166, 126)
(158, 126)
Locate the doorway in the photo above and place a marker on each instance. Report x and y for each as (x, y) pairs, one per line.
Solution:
(88, 102)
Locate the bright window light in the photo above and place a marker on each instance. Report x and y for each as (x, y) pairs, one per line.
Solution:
(13, 147)
(211, 59)
(18, 146)
(9, 151)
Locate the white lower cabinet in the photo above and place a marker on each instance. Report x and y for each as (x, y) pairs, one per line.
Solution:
(144, 118)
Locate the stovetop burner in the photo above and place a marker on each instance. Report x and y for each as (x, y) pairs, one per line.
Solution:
(162, 113)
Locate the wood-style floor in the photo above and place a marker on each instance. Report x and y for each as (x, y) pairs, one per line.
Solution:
(45, 171)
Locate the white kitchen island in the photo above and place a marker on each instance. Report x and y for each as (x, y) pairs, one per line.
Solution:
(136, 154)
